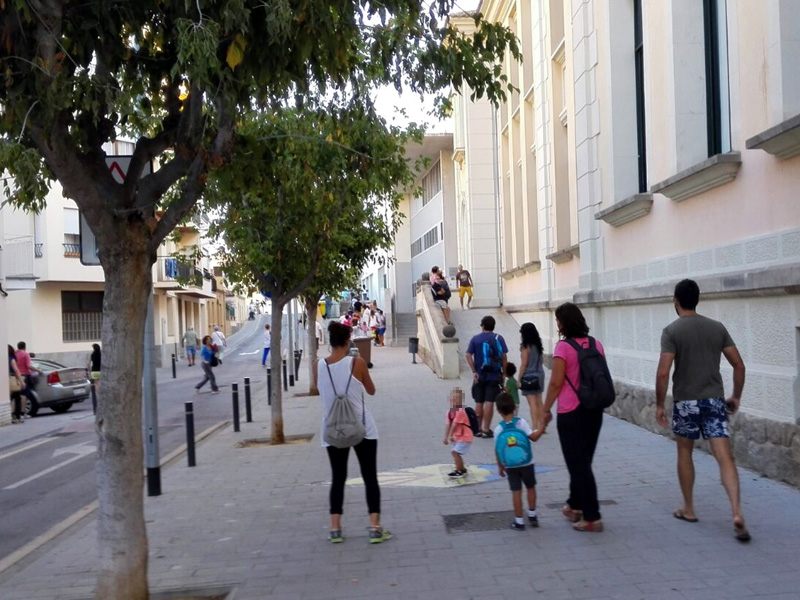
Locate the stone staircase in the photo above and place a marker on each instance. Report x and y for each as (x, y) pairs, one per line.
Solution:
(405, 326)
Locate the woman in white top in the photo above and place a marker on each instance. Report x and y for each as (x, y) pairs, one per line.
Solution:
(333, 375)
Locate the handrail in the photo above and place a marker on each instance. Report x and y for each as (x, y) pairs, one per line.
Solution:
(437, 350)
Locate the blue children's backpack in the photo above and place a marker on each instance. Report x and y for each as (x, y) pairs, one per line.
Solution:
(492, 356)
(513, 446)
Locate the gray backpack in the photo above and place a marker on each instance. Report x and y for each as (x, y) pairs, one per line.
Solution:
(343, 429)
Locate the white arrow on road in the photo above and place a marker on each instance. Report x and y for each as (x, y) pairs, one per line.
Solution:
(79, 450)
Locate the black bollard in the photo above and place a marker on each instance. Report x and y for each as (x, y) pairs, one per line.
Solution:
(189, 407)
(174, 371)
(94, 398)
(235, 388)
(297, 356)
(269, 386)
(285, 379)
(248, 409)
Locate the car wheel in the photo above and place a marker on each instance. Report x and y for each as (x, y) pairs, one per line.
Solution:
(61, 407)
(31, 407)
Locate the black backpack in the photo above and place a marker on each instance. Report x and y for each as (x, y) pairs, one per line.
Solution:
(596, 389)
(473, 419)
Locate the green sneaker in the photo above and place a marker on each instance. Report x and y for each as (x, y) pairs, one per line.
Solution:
(376, 536)
(335, 536)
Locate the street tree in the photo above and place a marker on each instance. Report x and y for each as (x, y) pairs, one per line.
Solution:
(175, 76)
(304, 201)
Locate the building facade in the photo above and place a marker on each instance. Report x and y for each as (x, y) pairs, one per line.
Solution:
(649, 141)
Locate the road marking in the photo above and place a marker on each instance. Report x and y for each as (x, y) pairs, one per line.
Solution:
(80, 450)
(249, 353)
(24, 448)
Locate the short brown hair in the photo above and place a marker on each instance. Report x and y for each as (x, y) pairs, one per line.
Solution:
(505, 404)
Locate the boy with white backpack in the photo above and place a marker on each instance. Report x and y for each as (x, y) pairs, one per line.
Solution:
(513, 437)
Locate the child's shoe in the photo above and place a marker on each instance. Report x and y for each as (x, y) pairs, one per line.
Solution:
(456, 473)
(517, 526)
(533, 521)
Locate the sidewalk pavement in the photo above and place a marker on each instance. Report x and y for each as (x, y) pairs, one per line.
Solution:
(256, 518)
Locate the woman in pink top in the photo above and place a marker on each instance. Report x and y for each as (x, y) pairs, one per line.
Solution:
(578, 426)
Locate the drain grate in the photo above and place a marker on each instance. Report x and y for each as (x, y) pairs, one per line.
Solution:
(600, 502)
(302, 438)
(474, 522)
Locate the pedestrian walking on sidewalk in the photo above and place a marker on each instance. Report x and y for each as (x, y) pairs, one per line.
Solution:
(695, 344)
(16, 384)
(208, 354)
(578, 426)
(190, 344)
(342, 376)
(513, 437)
(457, 432)
(219, 340)
(94, 366)
(464, 280)
(487, 355)
(27, 370)
(267, 345)
(531, 373)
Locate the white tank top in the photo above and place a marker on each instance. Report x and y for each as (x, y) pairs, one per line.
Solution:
(340, 373)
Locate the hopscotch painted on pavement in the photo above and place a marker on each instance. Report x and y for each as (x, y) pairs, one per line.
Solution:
(435, 476)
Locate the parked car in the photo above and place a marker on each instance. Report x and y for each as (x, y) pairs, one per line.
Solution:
(58, 388)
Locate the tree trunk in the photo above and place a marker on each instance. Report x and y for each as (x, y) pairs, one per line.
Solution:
(122, 537)
(277, 372)
(312, 306)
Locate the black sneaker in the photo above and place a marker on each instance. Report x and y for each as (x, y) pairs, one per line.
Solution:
(335, 536)
(488, 434)
(479, 434)
(533, 521)
(517, 526)
(457, 473)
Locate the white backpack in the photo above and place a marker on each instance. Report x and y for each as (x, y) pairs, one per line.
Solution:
(343, 429)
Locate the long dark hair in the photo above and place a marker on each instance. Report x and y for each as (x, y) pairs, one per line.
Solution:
(530, 337)
(11, 353)
(573, 324)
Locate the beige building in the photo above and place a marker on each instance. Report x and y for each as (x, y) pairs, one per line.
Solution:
(648, 141)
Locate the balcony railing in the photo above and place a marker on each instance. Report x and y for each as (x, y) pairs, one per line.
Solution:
(173, 269)
(72, 250)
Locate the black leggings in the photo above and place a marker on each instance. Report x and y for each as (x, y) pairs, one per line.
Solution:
(367, 453)
(578, 432)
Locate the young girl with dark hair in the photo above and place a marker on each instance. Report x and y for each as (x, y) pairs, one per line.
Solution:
(342, 374)
(578, 426)
(531, 372)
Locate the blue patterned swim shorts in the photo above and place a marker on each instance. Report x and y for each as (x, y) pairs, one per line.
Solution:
(708, 416)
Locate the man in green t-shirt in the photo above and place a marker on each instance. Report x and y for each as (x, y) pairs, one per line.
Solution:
(190, 344)
(695, 344)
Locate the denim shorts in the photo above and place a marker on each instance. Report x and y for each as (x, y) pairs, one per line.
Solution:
(460, 447)
(708, 416)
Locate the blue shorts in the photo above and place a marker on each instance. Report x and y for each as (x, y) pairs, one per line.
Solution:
(191, 351)
(709, 417)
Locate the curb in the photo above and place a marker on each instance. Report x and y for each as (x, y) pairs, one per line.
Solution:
(79, 515)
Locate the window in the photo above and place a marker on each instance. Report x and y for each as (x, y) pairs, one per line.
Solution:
(716, 55)
(641, 139)
(81, 316)
(432, 183)
(72, 238)
(431, 238)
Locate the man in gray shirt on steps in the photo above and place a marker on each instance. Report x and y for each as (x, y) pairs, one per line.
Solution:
(695, 344)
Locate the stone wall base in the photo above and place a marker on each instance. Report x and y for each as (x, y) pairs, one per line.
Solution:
(768, 447)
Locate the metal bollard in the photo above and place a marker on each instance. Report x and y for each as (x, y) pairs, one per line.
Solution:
(248, 409)
(174, 371)
(297, 355)
(285, 379)
(235, 388)
(269, 386)
(190, 457)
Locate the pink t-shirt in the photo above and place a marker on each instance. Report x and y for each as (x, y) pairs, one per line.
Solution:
(23, 362)
(567, 399)
(462, 432)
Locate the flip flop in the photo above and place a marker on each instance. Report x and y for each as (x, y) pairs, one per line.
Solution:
(678, 514)
(741, 533)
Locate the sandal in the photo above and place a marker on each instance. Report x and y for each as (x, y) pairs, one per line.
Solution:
(740, 531)
(590, 526)
(571, 514)
(681, 516)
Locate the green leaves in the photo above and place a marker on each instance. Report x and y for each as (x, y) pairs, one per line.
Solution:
(29, 179)
(197, 44)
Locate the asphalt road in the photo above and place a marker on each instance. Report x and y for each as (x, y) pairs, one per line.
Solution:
(47, 464)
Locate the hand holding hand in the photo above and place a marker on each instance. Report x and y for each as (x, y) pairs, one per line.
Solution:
(548, 416)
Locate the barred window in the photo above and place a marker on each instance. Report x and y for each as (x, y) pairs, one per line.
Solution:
(81, 316)
(416, 247)
(430, 239)
(432, 183)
